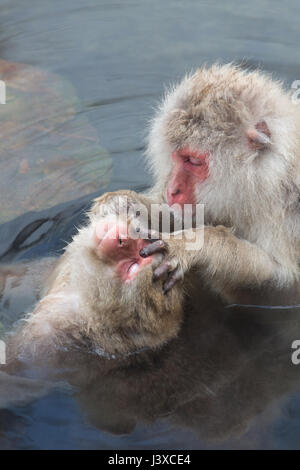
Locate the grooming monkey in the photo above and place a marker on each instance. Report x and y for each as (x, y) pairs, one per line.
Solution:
(229, 139)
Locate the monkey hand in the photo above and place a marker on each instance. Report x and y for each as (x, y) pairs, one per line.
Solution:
(166, 266)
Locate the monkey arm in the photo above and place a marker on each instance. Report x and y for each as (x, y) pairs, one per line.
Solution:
(229, 260)
(223, 258)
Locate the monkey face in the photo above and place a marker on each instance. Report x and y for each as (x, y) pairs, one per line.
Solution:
(119, 231)
(117, 249)
(208, 142)
(189, 167)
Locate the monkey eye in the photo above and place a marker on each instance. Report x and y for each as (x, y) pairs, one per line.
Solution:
(192, 161)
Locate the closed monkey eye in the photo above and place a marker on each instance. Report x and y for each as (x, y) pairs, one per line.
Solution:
(192, 161)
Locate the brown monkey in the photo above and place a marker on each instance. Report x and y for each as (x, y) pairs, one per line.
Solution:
(229, 139)
(100, 294)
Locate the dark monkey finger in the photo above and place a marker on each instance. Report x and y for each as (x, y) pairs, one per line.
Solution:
(164, 268)
(174, 277)
(152, 248)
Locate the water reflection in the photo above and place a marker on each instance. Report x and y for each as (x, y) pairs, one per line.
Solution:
(215, 379)
(226, 381)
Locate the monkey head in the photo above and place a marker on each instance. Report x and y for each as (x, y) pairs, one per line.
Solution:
(222, 135)
(117, 238)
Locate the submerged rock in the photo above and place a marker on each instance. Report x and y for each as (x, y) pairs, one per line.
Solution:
(49, 153)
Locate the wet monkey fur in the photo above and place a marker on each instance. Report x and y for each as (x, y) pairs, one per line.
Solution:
(100, 294)
(229, 139)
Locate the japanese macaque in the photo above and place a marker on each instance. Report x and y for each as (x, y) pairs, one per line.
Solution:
(229, 139)
(100, 295)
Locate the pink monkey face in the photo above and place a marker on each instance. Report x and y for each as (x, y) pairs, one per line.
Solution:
(190, 168)
(118, 249)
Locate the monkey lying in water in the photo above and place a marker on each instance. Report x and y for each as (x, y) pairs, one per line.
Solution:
(101, 295)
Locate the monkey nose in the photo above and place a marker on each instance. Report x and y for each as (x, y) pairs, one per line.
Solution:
(173, 195)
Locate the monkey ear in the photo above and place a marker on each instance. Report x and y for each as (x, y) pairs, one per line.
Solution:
(259, 137)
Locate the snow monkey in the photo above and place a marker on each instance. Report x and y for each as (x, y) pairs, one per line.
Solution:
(100, 294)
(230, 139)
